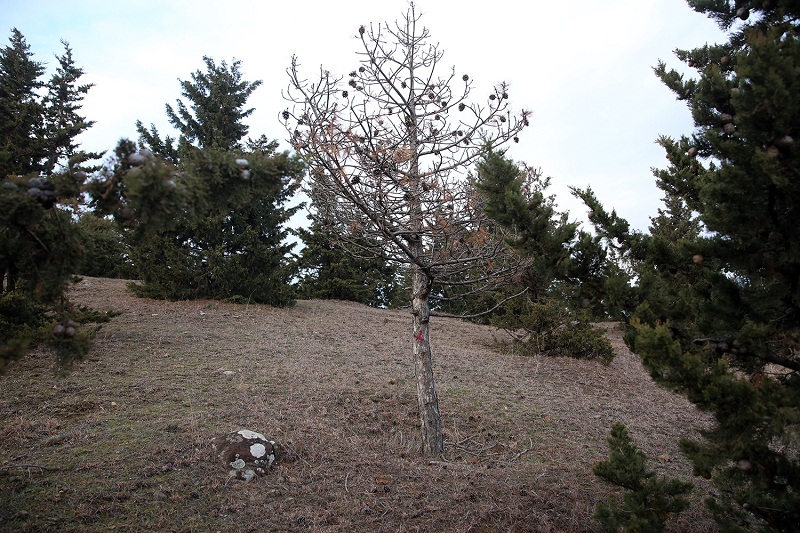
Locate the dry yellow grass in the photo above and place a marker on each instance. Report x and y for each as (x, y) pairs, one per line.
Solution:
(122, 442)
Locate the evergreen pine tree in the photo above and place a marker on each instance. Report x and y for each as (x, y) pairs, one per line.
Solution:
(21, 110)
(568, 268)
(217, 98)
(105, 252)
(39, 247)
(328, 272)
(207, 217)
(567, 263)
(720, 272)
(516, 197)
(63, 121)
(649, 500)
(214, 115)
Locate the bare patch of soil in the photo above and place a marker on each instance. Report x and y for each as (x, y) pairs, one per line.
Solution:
(123, 441)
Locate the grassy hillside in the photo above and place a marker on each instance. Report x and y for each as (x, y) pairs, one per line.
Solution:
(123, 440)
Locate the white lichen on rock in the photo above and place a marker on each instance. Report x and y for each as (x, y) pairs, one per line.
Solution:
(258, 450)
(247, 453)
(246, 433)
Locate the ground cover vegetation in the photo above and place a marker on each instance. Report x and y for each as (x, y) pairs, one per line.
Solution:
(415, 203)
(123, 442)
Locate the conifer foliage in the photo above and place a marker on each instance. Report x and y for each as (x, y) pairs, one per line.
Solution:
(21, 108)
(649, 500)
(719, 276)
(328, 272)
(206, 217)
(214, 115)
(63, 121)
(42, 175)
(565, 282)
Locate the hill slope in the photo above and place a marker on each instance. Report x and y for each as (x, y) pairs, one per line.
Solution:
(123, 440)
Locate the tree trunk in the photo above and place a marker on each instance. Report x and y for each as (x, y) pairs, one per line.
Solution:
(10, 273)
(432, 440)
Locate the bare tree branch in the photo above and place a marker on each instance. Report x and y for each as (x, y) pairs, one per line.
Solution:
(483, 313)
(389, 149)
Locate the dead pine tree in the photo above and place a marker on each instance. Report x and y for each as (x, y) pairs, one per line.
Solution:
(389, 148)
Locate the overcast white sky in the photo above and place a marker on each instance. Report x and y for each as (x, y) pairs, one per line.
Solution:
(583, 67)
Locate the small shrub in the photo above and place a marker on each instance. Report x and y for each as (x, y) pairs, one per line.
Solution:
(20, 316)
(547, 327)
(649, 501)
(105, 253)
(25, 322)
